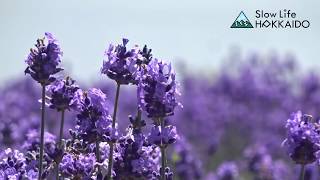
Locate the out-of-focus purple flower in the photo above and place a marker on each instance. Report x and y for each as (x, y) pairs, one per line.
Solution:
(207, 111)
(281, 170)
(64, 94)
(261, 164)
(310, 93)
(18, 110)
(302, 142)
(33, 140)
(163, 137)
(78, 166)
(94, 121)
(187, 165)
(228, 171)
(259, 92)
(43, 61)
(32, 149)
(120, 64)
(210, 176)
(157, 89)
(256, 155)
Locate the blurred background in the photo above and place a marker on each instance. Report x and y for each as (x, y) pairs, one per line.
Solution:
(239, 86)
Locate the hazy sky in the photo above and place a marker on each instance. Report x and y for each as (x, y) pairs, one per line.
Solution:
(196, 32)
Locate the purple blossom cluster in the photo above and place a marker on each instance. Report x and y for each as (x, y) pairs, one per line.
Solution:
(12, 165)
(303, 138)
(187, 164)
(43, 60)
(120, 63)
(64, 94)
(77, 166)
(157, 89)
(93, 120)
(137, 158)
(242, 109)
(96, 149)
(260, 163)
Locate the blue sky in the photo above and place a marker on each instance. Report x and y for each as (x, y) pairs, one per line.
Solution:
(195, 32)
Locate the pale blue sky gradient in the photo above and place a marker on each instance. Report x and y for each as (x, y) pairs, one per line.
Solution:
(196, 32)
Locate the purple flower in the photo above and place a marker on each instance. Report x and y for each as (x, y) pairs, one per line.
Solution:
(163, 137)
(261, 164)
(144, 56)
(281, 170)
(257, 156)
(18, 110)
(33, 140)
(93, 121)
(12, 164)
(51, 152)
(78, 166)
(302, 142)
(203, 110)
(43, 60)
(120, 64)
(15, 165)
(64, 94)
(157, 89)
(147, 162)
(228, 171)
(136, 159)
(187, 164)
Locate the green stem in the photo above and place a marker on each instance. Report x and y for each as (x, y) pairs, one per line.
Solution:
(60, 140)
(42, 131)
(110, 163)
(139, 114)
(163, 153)
(98, 155)
(61, 128)
(302, 171)
(115, 106)
(163, 163)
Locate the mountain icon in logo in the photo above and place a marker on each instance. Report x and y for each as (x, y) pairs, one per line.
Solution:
(241, 22)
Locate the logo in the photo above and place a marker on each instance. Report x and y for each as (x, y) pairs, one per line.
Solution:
(274, 19)
(241, 21)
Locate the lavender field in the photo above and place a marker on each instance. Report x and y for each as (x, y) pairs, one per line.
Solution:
(254, 118)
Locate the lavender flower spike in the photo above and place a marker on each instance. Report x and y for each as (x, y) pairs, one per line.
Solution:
(64, 94)
(157, 90)
(228, 171)
(163, 137)
(157, 96)
(43, 60)
(120, 63)
(303, 139)
(42, 64)
(93, 121)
